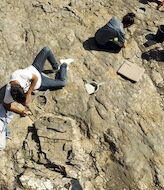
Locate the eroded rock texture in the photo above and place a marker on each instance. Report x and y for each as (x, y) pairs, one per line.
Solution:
(112, 140)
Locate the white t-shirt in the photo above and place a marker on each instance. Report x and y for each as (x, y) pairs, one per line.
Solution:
(23, 76)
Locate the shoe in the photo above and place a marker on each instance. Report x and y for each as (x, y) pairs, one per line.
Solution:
(67, 61)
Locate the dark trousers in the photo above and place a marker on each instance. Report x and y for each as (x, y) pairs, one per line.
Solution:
(49, 83)
(109, 46)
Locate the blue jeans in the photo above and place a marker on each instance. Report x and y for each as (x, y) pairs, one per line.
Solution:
(49, 83)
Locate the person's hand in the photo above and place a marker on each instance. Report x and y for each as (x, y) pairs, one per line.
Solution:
(124, 45)
(25, 113)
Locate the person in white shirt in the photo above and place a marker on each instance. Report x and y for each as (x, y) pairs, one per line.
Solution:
(24, 81)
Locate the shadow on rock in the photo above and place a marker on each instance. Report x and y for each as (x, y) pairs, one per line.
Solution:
(48, 71)
(90, 44)
(76, 185)
(154, 54)
(151, 40)
(146, 1)
(143, 1)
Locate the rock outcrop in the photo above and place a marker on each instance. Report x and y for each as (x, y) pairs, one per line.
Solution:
(111, 140)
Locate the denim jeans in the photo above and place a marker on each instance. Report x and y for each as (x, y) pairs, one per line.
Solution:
(5, 119)
(61, 76)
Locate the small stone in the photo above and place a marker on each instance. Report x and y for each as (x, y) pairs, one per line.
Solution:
(157, 78)
(48, 184)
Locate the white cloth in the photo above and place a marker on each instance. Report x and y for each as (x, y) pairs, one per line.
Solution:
(5, 119)
(23, 76)
(2, 135)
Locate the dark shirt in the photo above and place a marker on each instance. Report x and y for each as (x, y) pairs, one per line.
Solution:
(113, 29)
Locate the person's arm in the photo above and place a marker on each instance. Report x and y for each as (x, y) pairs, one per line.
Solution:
(16, 109)
(31, 88)
(124, 45)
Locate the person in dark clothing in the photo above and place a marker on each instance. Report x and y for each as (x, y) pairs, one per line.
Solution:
(112, 35)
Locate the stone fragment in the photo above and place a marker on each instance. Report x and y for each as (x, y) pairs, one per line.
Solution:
(157, 78)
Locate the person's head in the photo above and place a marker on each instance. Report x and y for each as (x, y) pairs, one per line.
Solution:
(17, 93)
(128, 19)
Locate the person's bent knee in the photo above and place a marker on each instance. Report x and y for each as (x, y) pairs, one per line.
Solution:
(46, 49)
(63, 83)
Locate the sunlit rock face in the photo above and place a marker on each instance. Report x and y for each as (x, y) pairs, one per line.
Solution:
(110, 140)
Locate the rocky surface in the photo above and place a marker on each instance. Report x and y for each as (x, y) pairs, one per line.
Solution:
(111, 140)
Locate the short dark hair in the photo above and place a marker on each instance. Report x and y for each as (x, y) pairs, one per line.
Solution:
(17, 93)
(128, 19)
